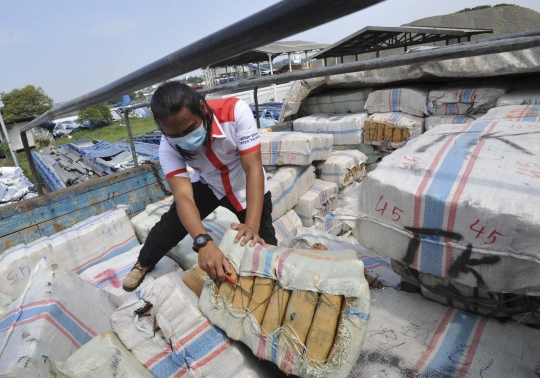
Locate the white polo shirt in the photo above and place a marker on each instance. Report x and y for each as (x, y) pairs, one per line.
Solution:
(234, 133)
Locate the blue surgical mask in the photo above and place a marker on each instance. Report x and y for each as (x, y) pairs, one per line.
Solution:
(191, 141)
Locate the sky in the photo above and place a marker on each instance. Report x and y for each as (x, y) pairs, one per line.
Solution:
(71, 47)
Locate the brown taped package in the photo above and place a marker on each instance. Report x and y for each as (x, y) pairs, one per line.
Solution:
(323, 327)
(335, 349)
(194, 279)
(226, 289)
(262, 290)
(242, 295)
(276, 309)
(388, 131)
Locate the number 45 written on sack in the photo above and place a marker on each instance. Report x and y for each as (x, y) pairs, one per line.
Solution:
(381, 207)
(492, 237)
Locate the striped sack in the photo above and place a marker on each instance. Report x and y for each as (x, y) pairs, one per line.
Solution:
(345, 128)
(287, 184)
(285, 224)
(294, 148)
(518, 113)
(410, 100)
(173, 339)
(410, 336)
(109, 275)
(318, 202)
(55, 315)
(344, 167)
(78, 248)
(433, 121)
(338, 101)
(459, 202)
(336, 273)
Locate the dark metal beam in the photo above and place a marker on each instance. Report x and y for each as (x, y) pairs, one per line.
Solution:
(285, 18)
(30, 159)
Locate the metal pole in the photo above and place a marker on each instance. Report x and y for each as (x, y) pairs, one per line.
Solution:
(13, 154)
(259, 68)
(271, 67)
(275, 91)
(31, 162)
(130, 137)
(307, 63)
(290, 63)
(257, 117)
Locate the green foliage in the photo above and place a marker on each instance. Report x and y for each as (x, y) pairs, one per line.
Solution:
(96, 113)
(24, 102)
(4, 148)
(192, 80)
(485, 7)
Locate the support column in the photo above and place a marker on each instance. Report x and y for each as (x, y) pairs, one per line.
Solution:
(290, 64)
(271, 66)
(259, 68)
(275, 91)
(13, 154)
(307, 61)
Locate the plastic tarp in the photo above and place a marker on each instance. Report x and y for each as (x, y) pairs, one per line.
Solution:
(14, 185)
(56, 314)
(142, 112)
(78, 248)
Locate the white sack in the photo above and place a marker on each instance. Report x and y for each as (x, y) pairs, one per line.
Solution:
(330, 272)
(345, 128)
(470, 193)
(317, 202)
(433, 121)
(375, 265)
(370, 151)
(285, 224)
(5, 300)
(279, 148)
(287, 185)
(518, 113)
(109, 275)
(338, 101)
(414, 126)
(200, 349)
(329, 225)
(409, 335)
(411, 100)
(55, 315)
(78, 248)
(344, 167)
(104, 356)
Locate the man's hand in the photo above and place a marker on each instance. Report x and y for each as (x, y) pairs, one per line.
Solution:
(248, 232)
(213, 261)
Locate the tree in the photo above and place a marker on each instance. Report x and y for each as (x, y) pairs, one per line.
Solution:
(191, 80)
(24, 102)
(96, 113)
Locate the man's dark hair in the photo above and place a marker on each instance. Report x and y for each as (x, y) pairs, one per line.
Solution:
(170, 98)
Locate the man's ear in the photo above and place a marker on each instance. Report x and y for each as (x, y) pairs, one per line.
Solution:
(204, 108)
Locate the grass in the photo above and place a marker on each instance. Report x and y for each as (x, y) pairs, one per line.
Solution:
(110, 133)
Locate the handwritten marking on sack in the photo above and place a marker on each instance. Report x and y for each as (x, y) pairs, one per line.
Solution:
(108, 230)
(14, 275)
(528, 168)
(291, 157)
(491, 239)
(382, 207)
(411, 163)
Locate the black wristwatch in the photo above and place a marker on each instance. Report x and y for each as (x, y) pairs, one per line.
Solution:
(200, 241)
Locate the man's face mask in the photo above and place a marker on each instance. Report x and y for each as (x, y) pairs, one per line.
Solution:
(191, 141)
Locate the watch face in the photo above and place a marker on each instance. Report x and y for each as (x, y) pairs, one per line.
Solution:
(200, 239)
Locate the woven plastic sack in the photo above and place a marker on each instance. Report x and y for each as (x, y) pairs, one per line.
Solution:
(518, 113)
(285, 224)
(329, 225)
(104, 356)
(317, 202)
(345, 128)
(215, 224)
(467, 98)
(376, 265)
(5, 300)
(338, 101)
(410, 100)
(524, 92)
(78, 248)
(287, 185)
(186, 344)
(55, 315)
(392, 129)
(109, 275)
(410, 336)
(371, 152)
(344, 167)
(433, 121)
(328, 272)
(457, 203)
(279, 148)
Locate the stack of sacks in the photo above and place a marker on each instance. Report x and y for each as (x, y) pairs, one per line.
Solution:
(286, 224)
(287, 185)
(467, 98)
(109, 275)
(171, 338)
(294, 148)
(392, 129)
(412, 101)
(345, 128)
(416, 207)
(215, 224)
(433, 121)
(344, 167)
(375, 265)
(338, 101)
(55, 315)
(317, 202)
(409, 336)
(306, 311)
(524, 92)
(78, 248)
(104, 356)
(517, 113)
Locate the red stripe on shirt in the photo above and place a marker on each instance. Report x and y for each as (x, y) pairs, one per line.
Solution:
(174, 173)
(211, 155)
(250, 150)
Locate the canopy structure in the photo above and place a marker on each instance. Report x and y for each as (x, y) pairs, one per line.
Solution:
(377, 38)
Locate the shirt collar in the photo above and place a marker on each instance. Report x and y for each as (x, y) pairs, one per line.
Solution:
(217, 131)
